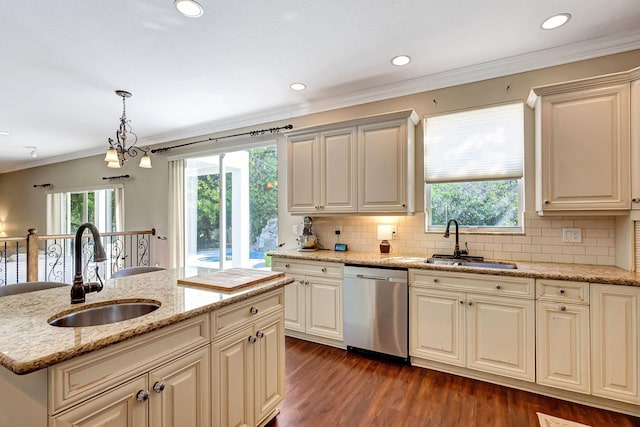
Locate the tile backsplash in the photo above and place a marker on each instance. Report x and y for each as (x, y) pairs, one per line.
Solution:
(541, 242)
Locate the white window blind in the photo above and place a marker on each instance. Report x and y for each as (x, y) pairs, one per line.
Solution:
(482, 144)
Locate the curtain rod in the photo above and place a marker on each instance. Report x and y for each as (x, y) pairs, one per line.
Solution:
(252, 133)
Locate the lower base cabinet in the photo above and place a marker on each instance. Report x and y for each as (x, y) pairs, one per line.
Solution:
(486, 331)
(248, 370)
(615, 342)
(173, 395)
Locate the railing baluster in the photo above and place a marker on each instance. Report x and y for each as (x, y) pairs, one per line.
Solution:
(56, 262)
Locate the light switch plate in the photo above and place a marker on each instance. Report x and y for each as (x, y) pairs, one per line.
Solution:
(572, 235)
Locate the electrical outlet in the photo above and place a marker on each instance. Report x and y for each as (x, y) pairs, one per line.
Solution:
(338, 230)
(572, 235)
(394, 231)
(295, 229)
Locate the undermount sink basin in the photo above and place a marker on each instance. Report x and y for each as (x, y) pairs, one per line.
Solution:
(105, 314)
(471, 263)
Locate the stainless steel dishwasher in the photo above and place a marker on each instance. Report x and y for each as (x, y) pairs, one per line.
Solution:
(376, 310)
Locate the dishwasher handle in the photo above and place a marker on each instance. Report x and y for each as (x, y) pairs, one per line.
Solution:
(385, 279)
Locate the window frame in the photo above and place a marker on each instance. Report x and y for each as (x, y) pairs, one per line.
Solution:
(467, 229)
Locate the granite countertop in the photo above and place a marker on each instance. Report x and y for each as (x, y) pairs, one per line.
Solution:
(537, 270)
(28, 343)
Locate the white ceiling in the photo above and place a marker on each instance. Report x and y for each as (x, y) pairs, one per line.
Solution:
(61, 61)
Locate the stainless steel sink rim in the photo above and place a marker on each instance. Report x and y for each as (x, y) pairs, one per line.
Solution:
(471, 263)
(103, 314)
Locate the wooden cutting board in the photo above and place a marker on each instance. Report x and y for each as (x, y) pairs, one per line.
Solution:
(231, 279)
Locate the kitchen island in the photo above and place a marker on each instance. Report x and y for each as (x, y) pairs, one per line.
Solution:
(199, 342)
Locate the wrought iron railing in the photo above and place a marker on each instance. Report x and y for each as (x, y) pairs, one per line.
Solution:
(51, 258)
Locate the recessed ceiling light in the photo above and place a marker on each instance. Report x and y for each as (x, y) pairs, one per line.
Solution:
(555, 21)
(4, 133)
(401, 60)
(189, 8)
(298, 86)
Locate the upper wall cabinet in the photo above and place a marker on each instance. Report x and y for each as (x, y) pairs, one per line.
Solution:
(635, 138)
(583, 145)
(360, 166)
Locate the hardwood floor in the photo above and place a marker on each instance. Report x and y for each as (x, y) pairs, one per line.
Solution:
(327, 386)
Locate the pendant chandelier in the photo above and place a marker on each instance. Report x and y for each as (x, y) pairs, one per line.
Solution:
(118, 151)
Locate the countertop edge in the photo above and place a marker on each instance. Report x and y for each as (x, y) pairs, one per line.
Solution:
(536, 270)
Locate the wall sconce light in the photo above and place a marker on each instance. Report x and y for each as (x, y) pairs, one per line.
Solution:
(385, 233)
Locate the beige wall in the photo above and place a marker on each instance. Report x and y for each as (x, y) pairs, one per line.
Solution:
(23, 207)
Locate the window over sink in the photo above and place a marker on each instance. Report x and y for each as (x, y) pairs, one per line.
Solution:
(473, 169)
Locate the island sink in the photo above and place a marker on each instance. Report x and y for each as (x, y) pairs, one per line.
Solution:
(104, 314)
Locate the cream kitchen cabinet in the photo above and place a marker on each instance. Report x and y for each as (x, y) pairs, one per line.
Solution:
(480, 322)
(154, 380)
(176, 394)
(364, 165)
(248, 361)
(313, 302)
(322, 172)
(583, 145)
(615, 342)
(563, 335)
(635, 139)
(386, 175)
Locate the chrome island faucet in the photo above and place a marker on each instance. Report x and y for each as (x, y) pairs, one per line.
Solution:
(456, 251)
(79, 288)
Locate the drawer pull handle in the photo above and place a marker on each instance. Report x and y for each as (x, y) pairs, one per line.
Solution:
(286, 266)
(158, 387)
(324, 269)
(260, 334)
(142, 396)
(253, 310)
(562, 307)
(435, 280)
(562, 291)
(253, 339)
(498, 287)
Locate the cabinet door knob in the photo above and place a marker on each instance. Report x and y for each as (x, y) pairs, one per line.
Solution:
(561, 291)
(306, 282)
(435, 280)
(253, 339)
(253, 310)
(142, 396)
(461, 302)
(158, 387)
(470, 302)
(562, 307)
(324, 269)
(636, 200)
(286, 266)
(546, 202)
(498, 286)
(260, 334)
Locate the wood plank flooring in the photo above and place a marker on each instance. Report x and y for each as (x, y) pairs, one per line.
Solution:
(327, 386)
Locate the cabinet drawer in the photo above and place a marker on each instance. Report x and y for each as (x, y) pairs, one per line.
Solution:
(228, 318)
(316, 268)
(521, 287)
(85, 376)
(562, 290)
